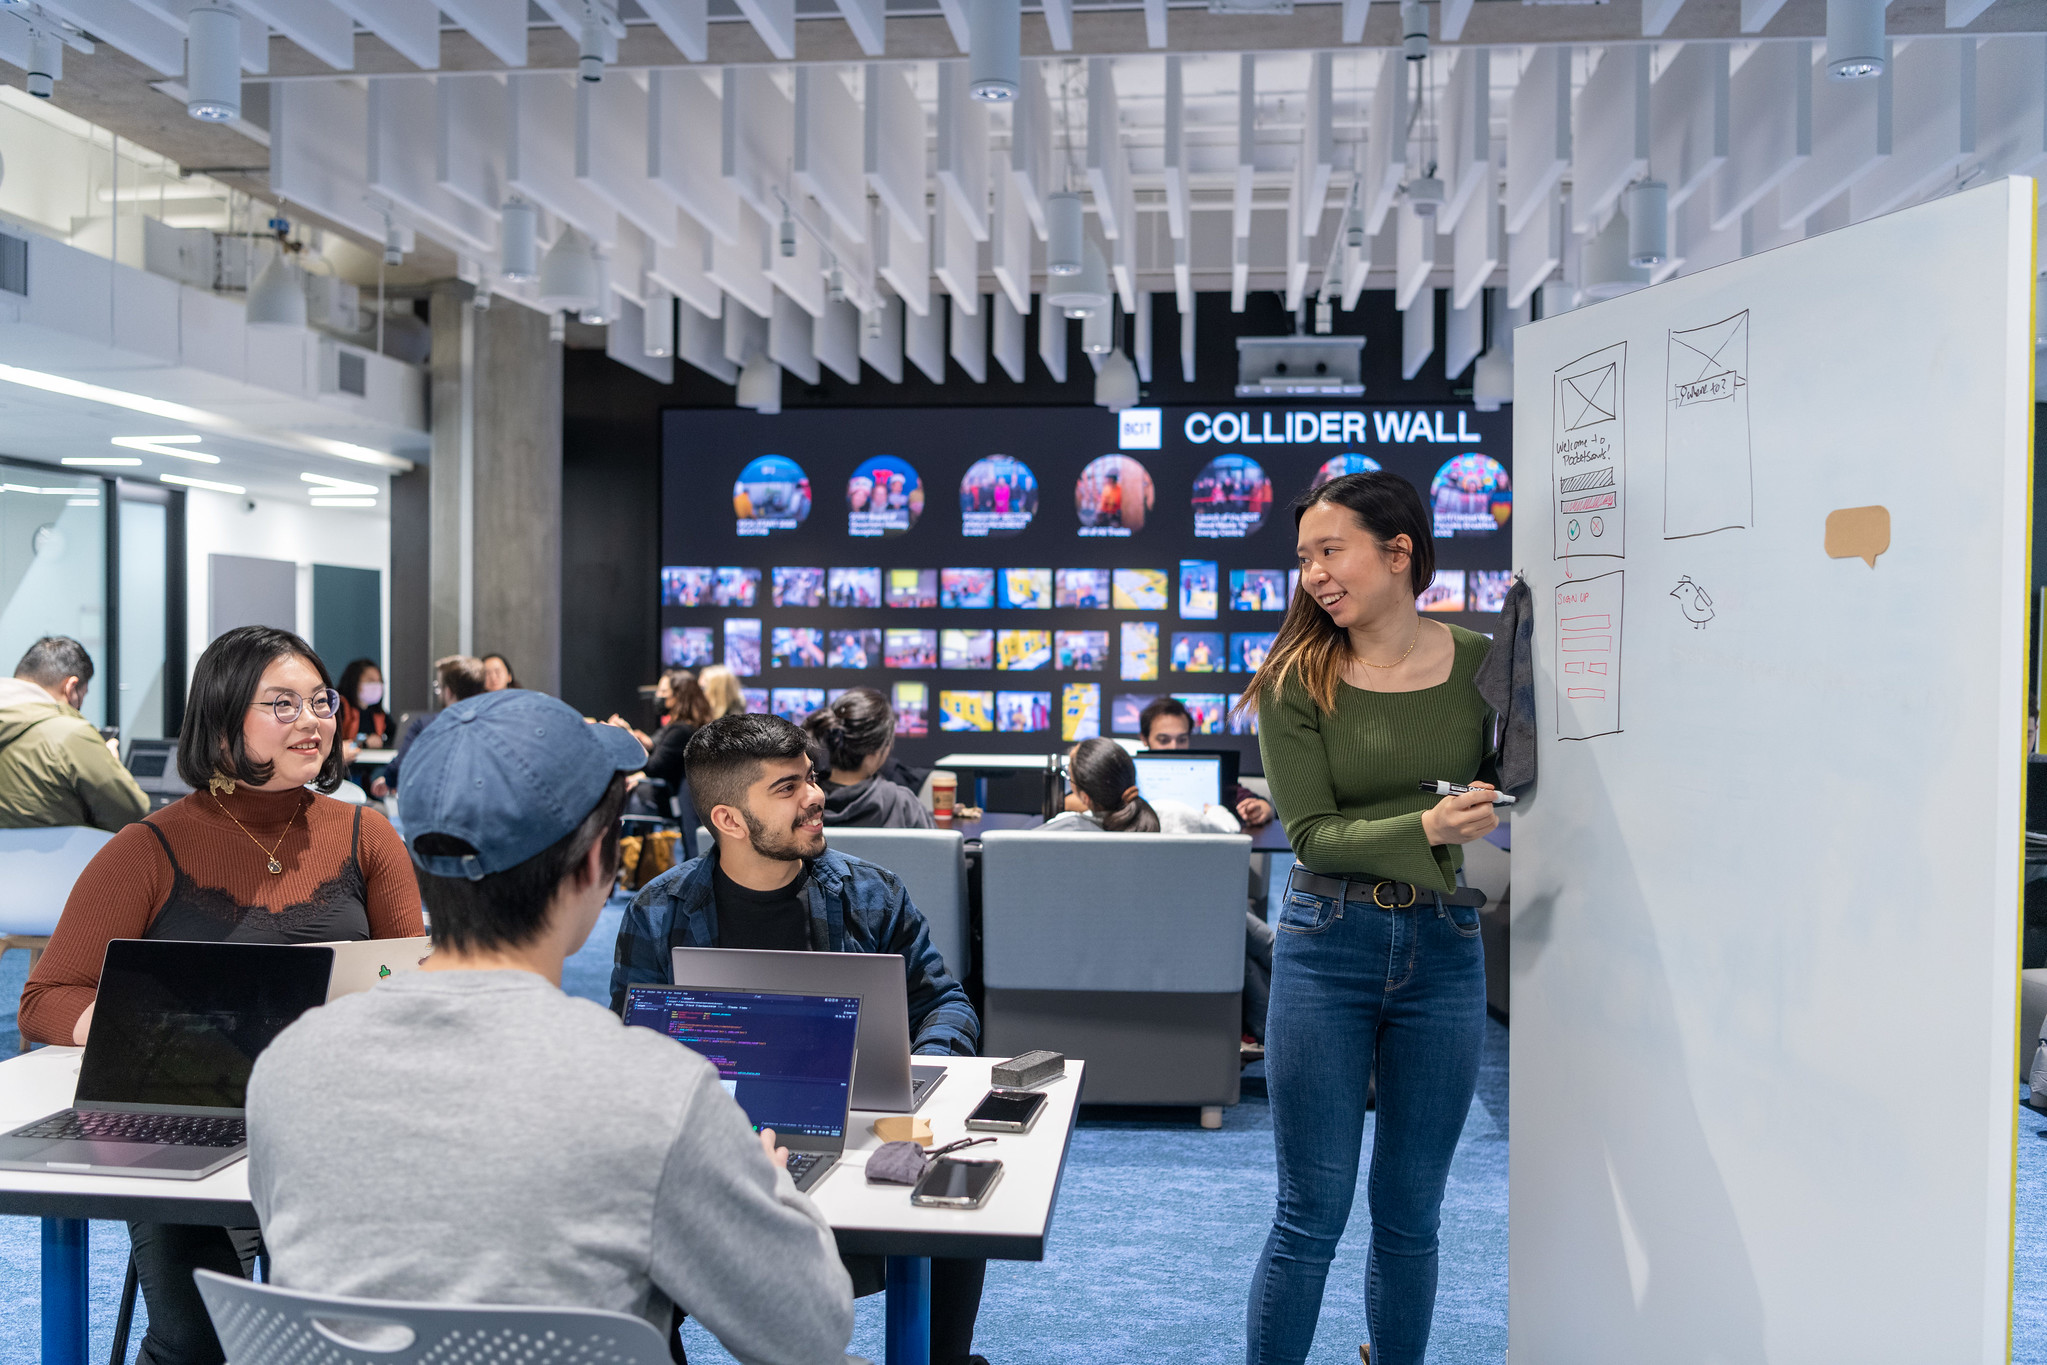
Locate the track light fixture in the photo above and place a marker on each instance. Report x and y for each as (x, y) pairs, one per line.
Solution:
(1855, 39)
(45, 61)
(835, 284)
(213, 63)
(1085, 292)
(597, 310)
(994, 49)
(518, 240)
(657, 326)
(1063, 234)
(1098, 330)
(597, 40)
(394, 242)
(1647, 205)
(1424, 195)
(1354, 229)
(1414, 30)
(788, 233)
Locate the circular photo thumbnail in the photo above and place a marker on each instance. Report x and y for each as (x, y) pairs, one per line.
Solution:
(1336, 466)
(883, 498)
(1231, 498)
(1470, 496)
(998, 497)
(1113, 496)
(771, 494)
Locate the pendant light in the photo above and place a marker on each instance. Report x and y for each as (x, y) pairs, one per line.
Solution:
(518, 240)
(994, 49)
(213, 63)
(1606, 272)
(568, 273)
(1647, 206)
(278, 297)
(760, 385)
(1492, 380)
(1855, 39)
(1116, 383)
(1063, 234)
(1082, 293)
(45, 61)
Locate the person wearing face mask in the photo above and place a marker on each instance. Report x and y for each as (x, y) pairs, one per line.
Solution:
(256, 853)
(364, 722)
(497, 673)
(769, 881)
(54, 767)
(1360, 701)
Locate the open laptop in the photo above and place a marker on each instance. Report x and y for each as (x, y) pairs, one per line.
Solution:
(887, 1081)
(361, 963)
(1190, 779)
(788, 1060)
(153, 763)
(176, 1029)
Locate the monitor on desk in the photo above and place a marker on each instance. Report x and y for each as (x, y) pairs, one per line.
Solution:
(154, 765)
(1190, 779)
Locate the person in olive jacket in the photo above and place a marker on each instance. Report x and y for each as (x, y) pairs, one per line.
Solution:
(54, 767)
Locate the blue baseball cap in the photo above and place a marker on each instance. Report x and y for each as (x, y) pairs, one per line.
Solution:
(510, 774)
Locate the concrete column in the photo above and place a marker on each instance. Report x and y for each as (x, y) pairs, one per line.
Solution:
(452, 398)
(517, 494)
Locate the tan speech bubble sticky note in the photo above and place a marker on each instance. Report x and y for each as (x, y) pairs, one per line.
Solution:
(1858, 533)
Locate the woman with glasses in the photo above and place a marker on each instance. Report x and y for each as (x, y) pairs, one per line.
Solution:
(257, 853)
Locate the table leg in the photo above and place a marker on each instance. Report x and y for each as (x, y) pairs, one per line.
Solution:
(64, 1290)
(981, 790)
(909, 1310)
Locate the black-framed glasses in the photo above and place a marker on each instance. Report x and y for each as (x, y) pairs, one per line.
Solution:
(288, 706)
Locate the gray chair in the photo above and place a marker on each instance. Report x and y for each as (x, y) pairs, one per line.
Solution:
(260, 1324)
(933, 866)
(41, 863)
(1126, 951)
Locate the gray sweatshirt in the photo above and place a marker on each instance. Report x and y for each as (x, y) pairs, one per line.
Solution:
(480, 1137)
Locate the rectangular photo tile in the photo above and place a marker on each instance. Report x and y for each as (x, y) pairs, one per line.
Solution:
(794, 703)
(1080, 712)
(743, 645)
(688, 647)
(686, 585)
(796, 586)
(909, 648)
(1199, 652)
(1198, 592)
(855, 649)
(1125, 711)
(1248, 650)
(1205, 709)
(851, 587)
(1023, 650)
(735, 587)
(1140, 651)
(1082, 589)
(913, 587)
(966, 711)
(796, 647)
(1023, 712)
(912, 704)
(1257, 589)
(1083, 651)
(966, 587)
(1138, 589)
(966, 649)
(1026, 589)
(1445, 593)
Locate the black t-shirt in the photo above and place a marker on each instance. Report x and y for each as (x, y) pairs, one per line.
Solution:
(761, 919)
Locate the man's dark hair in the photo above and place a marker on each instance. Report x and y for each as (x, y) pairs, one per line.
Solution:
(224, 683)
(1162, 706)
(461, 675)
(52, 659)
(508, 909)
(724, 758)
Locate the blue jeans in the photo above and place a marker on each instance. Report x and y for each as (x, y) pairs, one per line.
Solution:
(1354, 985)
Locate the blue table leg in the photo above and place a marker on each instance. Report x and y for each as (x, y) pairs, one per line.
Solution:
(909, 1310)
(64, 1288)
(981, 790)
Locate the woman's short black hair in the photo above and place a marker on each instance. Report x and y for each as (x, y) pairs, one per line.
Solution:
(223, 684)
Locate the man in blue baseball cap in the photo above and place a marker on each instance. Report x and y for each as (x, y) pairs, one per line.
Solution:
(468, 1133)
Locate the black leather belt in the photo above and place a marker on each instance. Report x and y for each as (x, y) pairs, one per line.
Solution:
(1387, 895)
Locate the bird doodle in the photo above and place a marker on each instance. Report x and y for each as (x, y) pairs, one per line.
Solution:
(1696, 602)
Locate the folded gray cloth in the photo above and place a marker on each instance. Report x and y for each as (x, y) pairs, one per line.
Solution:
(1507, 681)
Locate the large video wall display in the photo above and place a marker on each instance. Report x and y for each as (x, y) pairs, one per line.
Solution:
(1016, 579)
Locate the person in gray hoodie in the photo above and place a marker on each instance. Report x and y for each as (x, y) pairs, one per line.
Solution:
(54, 767)
(467, 1133)
(856, 734)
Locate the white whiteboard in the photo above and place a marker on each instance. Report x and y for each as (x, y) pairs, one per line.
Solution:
(1766, 895)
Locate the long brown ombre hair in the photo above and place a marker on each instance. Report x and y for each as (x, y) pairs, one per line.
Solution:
(1310, 645)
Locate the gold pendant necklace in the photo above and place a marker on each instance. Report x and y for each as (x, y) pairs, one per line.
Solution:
(276, 868)
(1403, 653)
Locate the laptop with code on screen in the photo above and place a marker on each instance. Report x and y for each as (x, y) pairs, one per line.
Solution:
(787, 1059)
(1190, 779)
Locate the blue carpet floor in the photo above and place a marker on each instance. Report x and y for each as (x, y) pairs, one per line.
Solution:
(1150, 1257)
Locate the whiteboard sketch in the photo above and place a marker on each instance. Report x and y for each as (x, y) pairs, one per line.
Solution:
(1694, 601)
(1708, 483)
(1588, 468)
(1589, 656)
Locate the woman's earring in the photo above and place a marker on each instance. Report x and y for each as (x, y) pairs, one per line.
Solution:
(220, 782)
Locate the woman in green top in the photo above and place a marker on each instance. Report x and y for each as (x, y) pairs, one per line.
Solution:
(1377, 960)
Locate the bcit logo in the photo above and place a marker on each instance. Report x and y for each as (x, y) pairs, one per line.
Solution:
(1139, 429)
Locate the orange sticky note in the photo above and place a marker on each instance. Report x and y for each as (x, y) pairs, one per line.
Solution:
(1858, 533)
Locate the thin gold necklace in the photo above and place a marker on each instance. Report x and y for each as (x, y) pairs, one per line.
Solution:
(276, 868)
(1403, 653)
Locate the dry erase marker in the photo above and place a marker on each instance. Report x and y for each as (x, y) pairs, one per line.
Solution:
(1459, 789)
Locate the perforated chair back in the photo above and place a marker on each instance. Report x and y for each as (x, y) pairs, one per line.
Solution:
(41, 866)
(260, 1324)
(932, 864)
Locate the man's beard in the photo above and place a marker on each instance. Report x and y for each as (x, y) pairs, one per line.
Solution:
(790, 845)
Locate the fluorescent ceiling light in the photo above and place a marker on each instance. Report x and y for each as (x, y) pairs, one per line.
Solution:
(83, 502)
(199, 417)
(344, 502)
(101, 461)
(70, 490)
(328, 487)
(167, 445)
(181, 481)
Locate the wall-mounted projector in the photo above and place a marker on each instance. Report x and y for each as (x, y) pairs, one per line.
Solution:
(1299, 367)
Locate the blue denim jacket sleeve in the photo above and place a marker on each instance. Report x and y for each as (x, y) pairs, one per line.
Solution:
(647, 931)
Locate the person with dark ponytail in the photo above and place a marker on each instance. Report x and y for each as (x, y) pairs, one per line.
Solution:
(1104, 795)
(1359, 702)
(856, 734)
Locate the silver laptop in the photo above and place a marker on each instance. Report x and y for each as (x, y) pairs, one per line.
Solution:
(887, 1081)
(361, 963)
(789, 1060)
(176, 1029)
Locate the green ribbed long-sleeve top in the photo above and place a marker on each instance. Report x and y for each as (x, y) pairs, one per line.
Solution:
(1345, 783)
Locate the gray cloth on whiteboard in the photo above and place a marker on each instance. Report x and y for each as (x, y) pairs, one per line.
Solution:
(1506, 679)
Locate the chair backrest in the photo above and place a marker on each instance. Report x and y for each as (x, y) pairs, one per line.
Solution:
(933, 866)
(1113, 912)
(260, 1324)
(41, 866)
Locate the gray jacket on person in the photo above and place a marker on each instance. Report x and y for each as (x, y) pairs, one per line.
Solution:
(480, 1137)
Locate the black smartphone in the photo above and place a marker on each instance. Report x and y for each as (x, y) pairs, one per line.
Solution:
(953, 1182)
(1007, 1111)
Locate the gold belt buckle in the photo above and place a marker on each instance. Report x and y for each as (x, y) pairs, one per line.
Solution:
(1412, 893)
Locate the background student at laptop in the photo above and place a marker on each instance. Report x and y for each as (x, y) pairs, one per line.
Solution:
(1165, 724)
(769, 881)
(468, 1133)
(253, 854)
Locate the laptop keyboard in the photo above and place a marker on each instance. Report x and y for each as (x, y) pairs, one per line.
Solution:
(801, 1162)
(162, 1130)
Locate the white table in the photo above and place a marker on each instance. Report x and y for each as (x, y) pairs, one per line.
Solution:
(868, 1219)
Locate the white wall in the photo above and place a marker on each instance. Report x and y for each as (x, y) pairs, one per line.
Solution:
(220, 524)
